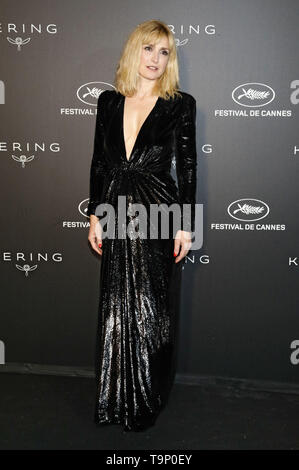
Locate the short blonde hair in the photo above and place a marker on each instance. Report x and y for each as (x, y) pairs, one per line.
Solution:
(126, 77)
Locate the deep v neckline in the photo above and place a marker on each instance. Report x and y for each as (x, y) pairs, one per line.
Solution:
(141, 128)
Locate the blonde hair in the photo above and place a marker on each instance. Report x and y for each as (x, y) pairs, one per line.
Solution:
(126, 77)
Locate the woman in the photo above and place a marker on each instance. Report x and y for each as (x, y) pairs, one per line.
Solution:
(140, 127)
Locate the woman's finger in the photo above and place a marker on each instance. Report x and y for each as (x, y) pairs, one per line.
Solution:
(181, 256)
(94, 241)
(185, 247)
(177, 243)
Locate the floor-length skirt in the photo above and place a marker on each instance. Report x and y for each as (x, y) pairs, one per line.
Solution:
(136, 342)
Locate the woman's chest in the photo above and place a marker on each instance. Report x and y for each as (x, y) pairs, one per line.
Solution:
(156, 132)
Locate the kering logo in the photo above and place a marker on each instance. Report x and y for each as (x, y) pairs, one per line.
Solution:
(248, 209)
(253, 95)
(89, 92)
(191, 30)
(26, 268)
(26, 29)
(29, 147)
(18, 42)
(23, 159)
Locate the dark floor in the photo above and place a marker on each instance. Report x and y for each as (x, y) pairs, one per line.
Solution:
(54, 412)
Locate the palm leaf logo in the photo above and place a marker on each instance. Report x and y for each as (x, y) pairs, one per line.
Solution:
(254, 94)
(248, 209)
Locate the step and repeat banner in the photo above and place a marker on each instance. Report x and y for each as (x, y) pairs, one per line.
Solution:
(239, 59)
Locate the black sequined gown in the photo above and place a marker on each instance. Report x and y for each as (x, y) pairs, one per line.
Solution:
(139, 280)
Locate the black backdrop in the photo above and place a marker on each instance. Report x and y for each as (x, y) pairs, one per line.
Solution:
(239, 59)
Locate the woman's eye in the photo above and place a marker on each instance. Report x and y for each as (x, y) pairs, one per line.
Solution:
(150, 47)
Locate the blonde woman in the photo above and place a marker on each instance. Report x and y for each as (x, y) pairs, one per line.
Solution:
(142, 126)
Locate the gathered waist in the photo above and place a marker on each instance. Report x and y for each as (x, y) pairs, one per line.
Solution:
(130, 172)
(130, 169)
(148, 183)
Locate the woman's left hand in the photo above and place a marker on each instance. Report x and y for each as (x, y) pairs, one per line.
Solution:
(183, 243)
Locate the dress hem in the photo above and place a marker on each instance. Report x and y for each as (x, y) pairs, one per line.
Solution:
(136, 427)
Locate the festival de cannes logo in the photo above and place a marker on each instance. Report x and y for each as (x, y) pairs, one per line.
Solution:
(89, 92)
(248, 210)
(253, 95)
(82, 208)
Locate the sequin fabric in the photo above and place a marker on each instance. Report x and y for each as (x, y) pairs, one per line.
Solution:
(140, 284)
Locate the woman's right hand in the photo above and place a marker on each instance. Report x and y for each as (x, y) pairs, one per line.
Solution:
(95, 234)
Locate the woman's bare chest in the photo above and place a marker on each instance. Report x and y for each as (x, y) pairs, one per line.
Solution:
(135, 114)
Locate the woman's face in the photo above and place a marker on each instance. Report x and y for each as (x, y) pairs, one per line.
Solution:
(155, 56)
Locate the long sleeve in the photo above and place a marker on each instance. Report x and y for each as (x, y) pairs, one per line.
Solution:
(98, 167)
(186, 159)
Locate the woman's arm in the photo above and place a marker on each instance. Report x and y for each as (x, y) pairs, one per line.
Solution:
(98, 167)
(97, 178)
(186, 170)
(186, 158)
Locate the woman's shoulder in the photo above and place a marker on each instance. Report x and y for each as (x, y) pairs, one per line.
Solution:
(187, 97)
(182, 103)
(106, 95)
(181, 100)
(106, 99)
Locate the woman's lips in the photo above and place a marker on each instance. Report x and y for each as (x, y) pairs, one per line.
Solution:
(149, 67)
